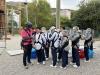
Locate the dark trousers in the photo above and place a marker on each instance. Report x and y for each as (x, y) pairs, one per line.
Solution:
(64, 58)
(40, 55)
(75, 56)
(54, 55)
(27, 54)
(91, 47)
(60, 53)
(86, 52)
(47, 52)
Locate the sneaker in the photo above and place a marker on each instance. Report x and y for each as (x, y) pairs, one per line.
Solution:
(53, 66)
(75, 66)
(72, 63)
(43, 62)
(65, 68)
(38, 63)
(47, 58)
(87, 61)
(26, 67)
(62, 67)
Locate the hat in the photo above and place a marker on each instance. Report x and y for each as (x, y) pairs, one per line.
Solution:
(28, 24)
(53, 27)
(89, 30)
(43, 29)
(75, 28)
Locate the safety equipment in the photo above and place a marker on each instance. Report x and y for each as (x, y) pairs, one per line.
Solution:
(28, 24)
(89, 30)
(75, 28)
(43, 29)
(53, 27)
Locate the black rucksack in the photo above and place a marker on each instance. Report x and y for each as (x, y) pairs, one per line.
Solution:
(66, 43)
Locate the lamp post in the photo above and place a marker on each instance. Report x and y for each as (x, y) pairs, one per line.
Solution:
(26, 10)
(57, 13)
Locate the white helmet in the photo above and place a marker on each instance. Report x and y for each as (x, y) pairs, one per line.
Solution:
(89, 30)
(75, 28)
(43, 29)
(52, 28)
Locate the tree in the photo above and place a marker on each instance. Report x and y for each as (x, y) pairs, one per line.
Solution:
(65, 22)
(39, 13)
(88, 15)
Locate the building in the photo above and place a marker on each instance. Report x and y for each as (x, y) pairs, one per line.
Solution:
(14, 16)
(63, 12)
(2, 17)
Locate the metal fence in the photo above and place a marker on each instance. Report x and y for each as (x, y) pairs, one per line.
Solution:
(2, 31)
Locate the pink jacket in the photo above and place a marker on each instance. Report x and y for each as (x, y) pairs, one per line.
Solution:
(25, 33)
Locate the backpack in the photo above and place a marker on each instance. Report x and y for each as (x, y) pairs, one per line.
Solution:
(54, 40)
(66, 43)
(76, 41)
(38, 44)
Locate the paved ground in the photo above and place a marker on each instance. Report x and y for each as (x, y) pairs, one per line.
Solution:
(12, 65)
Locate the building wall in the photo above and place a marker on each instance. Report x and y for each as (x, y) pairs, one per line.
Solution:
(66, 13)
(63, 12)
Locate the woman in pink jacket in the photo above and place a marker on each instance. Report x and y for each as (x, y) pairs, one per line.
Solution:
(26, 43)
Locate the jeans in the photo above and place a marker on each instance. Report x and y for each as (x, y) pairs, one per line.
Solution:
(27, 54)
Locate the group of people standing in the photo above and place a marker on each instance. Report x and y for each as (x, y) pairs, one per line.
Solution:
(56, 41)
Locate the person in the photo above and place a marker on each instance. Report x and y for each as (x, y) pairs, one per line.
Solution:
(54, 45)
(88, 43)
(65, 49)
(60, 38)
(26, 43)
(47, 45)
(39, 43)
(33, 36)
(75, 37)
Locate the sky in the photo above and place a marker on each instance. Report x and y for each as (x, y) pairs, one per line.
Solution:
(65, 4)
